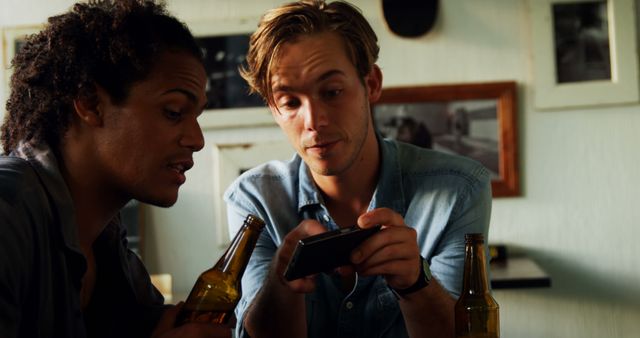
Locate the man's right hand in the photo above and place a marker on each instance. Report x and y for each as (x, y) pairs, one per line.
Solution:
(166, 329)
(305, 229)
(277, 295)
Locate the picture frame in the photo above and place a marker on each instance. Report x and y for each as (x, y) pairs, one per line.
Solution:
(229, 117)
(12, 37)
(223, 55)
(584, 53)
(478, 120)
(231, 160)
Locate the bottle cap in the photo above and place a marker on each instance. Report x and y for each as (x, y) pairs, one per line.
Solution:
(474, 237)
(254, 221)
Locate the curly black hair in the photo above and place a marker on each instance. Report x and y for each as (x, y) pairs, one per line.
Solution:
(109, 43)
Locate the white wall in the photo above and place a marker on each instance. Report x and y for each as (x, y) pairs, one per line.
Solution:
(578, 214)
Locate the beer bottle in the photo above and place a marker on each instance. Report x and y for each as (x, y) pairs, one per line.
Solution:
(217, 290)
(476, 312)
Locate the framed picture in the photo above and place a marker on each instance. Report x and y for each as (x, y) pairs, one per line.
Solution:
(584, 53)
(12, 40)
(223, 55)
(225, 44)
(231, 160)
(476, 120)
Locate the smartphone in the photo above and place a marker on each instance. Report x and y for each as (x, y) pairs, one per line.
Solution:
(326, 251)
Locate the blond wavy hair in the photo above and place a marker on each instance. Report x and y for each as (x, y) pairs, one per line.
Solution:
(290, 21)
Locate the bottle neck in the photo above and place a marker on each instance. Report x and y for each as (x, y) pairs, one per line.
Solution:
(236, 257)
(475, 279)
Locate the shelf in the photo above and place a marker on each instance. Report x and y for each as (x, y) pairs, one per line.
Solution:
(517, 273)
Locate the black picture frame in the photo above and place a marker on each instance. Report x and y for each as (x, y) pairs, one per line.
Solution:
(581, 39)
(223, 54)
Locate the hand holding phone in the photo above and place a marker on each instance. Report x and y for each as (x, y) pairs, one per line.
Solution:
(326, 251)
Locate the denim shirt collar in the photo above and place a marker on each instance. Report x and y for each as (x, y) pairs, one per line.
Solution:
(387, 194)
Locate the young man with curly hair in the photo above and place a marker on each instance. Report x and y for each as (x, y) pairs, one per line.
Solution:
(103, 109)
(314, 63)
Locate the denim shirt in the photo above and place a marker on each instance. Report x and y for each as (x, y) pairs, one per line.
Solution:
(440, 195)
(41, 265)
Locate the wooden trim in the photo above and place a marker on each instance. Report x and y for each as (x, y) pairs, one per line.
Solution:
(508, 183)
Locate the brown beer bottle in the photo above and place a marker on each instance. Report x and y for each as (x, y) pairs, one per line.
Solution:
(476, 312)
(217, 290)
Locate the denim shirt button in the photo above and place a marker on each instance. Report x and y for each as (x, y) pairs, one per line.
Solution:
(349, 305)
(326, 218)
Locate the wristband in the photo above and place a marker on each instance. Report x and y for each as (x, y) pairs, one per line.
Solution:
(423, 280)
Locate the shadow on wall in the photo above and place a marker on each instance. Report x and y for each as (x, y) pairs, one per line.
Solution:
(573, 280)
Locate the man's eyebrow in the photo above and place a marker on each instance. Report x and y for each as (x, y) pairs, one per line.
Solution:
(324, 76)
(330, 74)
(191, 96)
(281, 88)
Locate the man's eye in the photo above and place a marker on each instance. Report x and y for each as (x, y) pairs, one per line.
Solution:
(332, 93)
(289, 103)
(172, 114)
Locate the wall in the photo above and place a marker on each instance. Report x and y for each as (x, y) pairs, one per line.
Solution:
(578, 214)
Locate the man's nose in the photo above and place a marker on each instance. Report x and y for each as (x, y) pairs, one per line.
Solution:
(193, 137)
(315, 115)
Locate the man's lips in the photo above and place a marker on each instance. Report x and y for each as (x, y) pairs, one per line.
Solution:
(321, 148)
(320, 145)
(181, 166)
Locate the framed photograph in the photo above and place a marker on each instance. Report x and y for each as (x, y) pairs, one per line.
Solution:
(225, 44)
(12, 40)
(477, 120)
(584, 53)
(223, 55)
(231, 160)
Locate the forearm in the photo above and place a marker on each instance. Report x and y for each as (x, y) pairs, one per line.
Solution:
(276, 311)
(429, 312)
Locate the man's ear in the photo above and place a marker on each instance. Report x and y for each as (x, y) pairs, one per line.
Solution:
(88, 107)
(373, 82)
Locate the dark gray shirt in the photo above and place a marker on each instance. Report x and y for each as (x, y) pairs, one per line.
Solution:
(41, 265)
